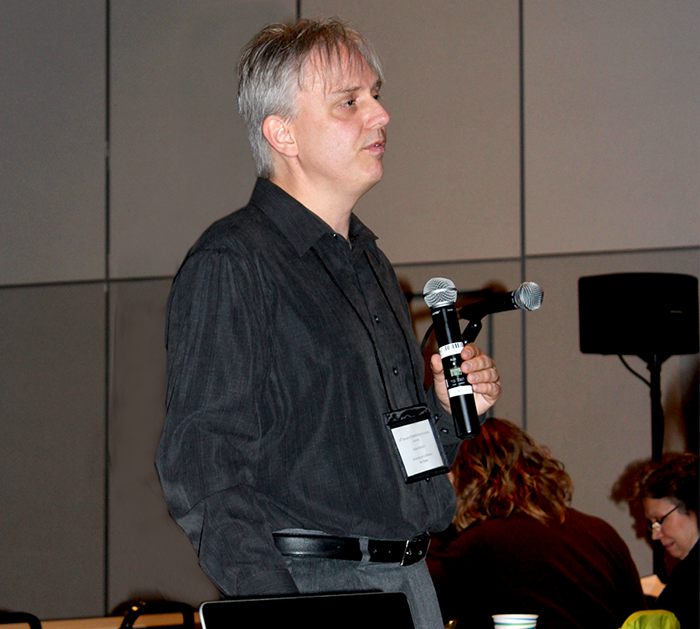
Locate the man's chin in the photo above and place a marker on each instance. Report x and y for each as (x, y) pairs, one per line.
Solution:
(368, 179)
(371, 185)
(374, 178)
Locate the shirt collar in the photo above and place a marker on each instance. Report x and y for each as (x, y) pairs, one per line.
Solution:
(299, 225)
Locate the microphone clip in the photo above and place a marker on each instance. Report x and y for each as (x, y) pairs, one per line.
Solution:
(469, 334)
(471, 331)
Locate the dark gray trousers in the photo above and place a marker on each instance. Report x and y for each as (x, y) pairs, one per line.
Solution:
(313, 576)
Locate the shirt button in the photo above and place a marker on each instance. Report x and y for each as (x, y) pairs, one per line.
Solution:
(444, 431)
(376, 318)
(396, 371)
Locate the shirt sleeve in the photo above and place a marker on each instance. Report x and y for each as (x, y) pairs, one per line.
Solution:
(209, 450)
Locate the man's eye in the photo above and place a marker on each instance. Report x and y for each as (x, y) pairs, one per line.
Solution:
(377, 97)
(350, 102)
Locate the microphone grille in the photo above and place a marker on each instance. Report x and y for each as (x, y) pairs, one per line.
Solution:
(439, 291)
(528, 296)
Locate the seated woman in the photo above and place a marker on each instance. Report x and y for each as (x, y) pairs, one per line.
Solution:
(515, 545)
(670, 497)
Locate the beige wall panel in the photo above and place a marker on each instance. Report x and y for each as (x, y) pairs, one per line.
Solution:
(150, 556)
(52, 138)
(501, 335)
(451, 183)
(52, 450)
(593, 413)
(180, 157)
(612, 124)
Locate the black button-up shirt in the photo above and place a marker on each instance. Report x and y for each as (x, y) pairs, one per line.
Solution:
(286, 344)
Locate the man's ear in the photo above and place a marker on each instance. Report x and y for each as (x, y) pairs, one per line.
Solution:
(278, 134)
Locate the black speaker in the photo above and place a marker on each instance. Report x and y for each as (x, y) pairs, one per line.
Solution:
(643, 314)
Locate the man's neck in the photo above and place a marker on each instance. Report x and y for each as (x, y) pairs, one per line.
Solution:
(323, 200)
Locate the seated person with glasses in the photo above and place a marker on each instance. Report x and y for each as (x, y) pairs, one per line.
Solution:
(669, 493)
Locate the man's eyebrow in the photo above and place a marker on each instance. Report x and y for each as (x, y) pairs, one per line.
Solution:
(344, 90)
(354, 88)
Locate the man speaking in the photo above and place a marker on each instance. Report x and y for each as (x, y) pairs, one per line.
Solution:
(295, 400)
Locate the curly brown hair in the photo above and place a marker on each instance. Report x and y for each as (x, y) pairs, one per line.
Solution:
(675, 477)
(503, 471)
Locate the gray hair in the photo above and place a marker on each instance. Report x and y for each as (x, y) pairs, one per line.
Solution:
(271, 72)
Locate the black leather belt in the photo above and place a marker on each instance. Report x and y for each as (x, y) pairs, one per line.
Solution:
(404, 553)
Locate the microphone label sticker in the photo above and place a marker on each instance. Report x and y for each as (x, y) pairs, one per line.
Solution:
(451, 349)
(460, 390)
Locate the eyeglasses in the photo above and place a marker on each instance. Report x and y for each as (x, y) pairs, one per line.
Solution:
(657, 524)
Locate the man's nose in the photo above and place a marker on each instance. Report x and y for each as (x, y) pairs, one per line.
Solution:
(655, 535)
(379, 116)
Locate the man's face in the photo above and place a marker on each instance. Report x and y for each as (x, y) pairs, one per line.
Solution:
(340, 128)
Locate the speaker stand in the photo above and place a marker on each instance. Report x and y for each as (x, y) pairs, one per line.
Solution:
(657, 411)
(657, 442)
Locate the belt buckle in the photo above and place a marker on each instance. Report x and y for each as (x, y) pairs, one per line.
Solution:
(415, 550)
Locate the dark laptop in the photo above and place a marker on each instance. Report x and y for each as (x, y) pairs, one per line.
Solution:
(365, 610)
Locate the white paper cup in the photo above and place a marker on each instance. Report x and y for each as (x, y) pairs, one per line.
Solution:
(514, 621)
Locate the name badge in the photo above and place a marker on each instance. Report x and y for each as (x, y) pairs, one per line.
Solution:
(416, 443)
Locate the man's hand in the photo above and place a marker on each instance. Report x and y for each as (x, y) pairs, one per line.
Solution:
(481, 374)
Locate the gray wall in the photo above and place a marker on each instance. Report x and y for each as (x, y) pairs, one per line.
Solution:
(590, 168)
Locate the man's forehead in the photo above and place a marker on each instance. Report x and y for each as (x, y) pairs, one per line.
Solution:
(334, 70)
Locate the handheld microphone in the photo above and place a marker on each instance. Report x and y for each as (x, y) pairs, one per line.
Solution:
(527, 296)
(440, 295)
